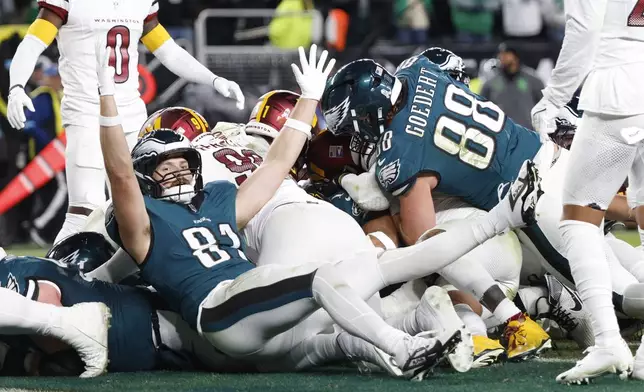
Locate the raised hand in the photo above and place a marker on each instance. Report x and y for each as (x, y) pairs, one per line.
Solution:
(104, 70)
(312, 78)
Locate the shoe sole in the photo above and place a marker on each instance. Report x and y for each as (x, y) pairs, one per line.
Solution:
(488, 358)
(461, 358)
(106, 314)
(532, 353)
(439, 357)
(623, 375)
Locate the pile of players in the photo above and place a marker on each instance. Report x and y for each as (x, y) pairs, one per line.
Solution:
(211, 256)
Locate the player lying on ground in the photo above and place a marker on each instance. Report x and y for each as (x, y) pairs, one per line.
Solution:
(143, 335)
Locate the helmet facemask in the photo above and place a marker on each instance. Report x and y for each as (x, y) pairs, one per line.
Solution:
(174, 182)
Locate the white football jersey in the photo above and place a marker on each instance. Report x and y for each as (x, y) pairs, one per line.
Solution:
(120, 24)
(231, 158)
(605, 43)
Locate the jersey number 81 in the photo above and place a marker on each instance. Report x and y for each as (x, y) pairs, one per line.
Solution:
(204, 247)
(472, 145)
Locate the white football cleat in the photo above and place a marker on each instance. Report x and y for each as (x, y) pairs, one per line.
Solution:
(638, 365)
(436, 312)
(422, 354)
(599, 361)
(520, 201)
(365, 355)
(569, 312)
(85, 328)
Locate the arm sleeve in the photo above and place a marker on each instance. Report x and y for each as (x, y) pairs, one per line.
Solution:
(41, 33)
(175, 58)
(584, 21)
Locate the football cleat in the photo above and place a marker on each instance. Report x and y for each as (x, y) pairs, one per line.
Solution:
(519, 203)
(523, 339)
(599, 361)
(423, 354)
(86, 330)
(569, 312)
(638, 365)
(436, 312)
(487, 351)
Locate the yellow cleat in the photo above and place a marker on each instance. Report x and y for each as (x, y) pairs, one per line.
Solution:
(523, 338)
(486, 351)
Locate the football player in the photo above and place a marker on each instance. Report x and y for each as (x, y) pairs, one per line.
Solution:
(184, 236)
(83, 326)
(76, 25)
(433, 153)
(331, 162)
(142, 336)
(281, 233)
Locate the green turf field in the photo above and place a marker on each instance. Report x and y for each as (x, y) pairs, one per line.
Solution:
(535, 375)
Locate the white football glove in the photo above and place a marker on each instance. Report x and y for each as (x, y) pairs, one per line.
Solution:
(230, 89)
(104, 71)
(312, 78)
(543, 118)
(18, 101)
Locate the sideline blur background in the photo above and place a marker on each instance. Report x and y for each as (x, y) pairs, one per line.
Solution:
(509, 47)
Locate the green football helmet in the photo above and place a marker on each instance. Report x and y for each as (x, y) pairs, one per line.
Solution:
(358, 98)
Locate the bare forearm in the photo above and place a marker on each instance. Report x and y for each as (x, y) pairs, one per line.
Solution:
(118, 162)
(284, 150)
(262, 185)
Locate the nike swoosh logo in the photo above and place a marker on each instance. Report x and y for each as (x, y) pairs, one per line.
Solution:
(578, 304)
(514, 198)
(380, 162)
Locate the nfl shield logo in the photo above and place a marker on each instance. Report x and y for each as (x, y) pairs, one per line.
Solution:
(336, 152)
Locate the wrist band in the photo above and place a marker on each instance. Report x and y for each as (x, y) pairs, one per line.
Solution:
(384, 239)
(299, 126)
(109, 121)
(16, 85)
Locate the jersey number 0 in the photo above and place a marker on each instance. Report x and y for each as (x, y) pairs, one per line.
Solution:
(118, 38)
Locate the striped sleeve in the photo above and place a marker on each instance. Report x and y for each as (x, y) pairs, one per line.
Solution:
(154, 9)
(58, 7)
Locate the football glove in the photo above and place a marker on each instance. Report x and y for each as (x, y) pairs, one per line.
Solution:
(18, 101)
(312, 78)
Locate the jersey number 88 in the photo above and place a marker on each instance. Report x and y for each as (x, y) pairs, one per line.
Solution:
(472, 145)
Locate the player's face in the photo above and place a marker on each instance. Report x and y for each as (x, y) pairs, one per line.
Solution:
(173, 172)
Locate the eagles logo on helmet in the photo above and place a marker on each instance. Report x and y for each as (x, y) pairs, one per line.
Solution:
(449, 62)
(179, 119)
(86, 250)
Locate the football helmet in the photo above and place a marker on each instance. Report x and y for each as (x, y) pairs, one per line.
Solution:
(179, 119)
(87, 250)
(271, 112)
(329, 156)
(449, 62)
(156, 147)
(358, 99)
